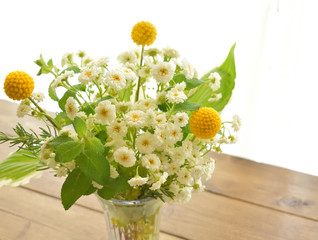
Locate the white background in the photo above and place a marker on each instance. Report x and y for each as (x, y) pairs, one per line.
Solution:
(276, 57)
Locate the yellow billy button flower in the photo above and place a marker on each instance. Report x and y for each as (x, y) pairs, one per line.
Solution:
(18, 85)
(144, 33)
(205, 123)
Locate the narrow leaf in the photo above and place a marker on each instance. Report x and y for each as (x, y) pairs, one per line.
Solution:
(76, 184)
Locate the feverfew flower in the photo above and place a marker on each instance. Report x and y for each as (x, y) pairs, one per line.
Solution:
(180, 119)
(127, 57)
(156, 185)
(188, 69)
(57, 81)
(129, 75)
(137, 181)
(163, 72)
(170, 52)
(115, 79)
(88, 74)
(71, 108)
(215, 81)
(150, 161)
(125, 157)
(176, 94)
(117, 129)
(38, 96)
(105, 112)
(236, 123)
(215, 97)
(135, 118)
(24, 108)
(173, 133)
(184, 176)
(61, 172)
(113, 172)
(146, 142)
(67, 59)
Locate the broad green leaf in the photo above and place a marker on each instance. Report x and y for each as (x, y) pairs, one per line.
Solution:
(80, 126)
(92, 161)
(76, 184)
(19, 168)
(54, 143)
(68, 151)
(228, 73)
(187, 106)
(190, 83)
(113, 187)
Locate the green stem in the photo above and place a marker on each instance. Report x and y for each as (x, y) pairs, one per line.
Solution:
(139, 79)
(49, 118)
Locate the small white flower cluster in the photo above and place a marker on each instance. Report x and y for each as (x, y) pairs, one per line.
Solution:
(145, 136)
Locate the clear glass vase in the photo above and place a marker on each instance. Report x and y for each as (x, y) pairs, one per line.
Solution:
(132, 220)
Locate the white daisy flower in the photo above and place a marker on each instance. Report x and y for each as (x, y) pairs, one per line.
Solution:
(163, 72)
(145, 104)
(137, 181)
(174, 96)
(161, 119)
(24, 108)
(61, 172)
(152, 52)
(70, 165)
(129, 75)
(88, 74)
(180, 86)
(125, 157)
(162, 179)
(71, 108)
(127, 57)
(188, 69)
(215, 81)
(117, 129)
(173, 133)
(146, 142)
(150, 161)
(160, 134)
(170, 52)
(102, 62)
(178, 155)
(236, 123)
(187, 147)
(215, 97)
(105, 112)
(184, 195)
(115, 79)
(57, 81)
(135, 118)
(67, 59)
(180, 119)
(113, 172)
(197, 172)
(115, 143)
(38, 96)
(150, 117)
(184, 176)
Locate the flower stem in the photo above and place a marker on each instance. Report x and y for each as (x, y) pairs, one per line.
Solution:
(49, 118)
(139, 79)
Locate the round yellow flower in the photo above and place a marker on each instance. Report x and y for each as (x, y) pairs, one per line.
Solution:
(18, 85)
(144, 33)
(205, 123)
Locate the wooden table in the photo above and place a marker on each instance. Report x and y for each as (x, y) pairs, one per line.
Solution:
(243, 200)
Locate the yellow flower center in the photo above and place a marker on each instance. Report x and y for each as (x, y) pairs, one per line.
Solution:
(116, 78)
(88, 74)
(205, 123)
(18, 85)
(144, 33)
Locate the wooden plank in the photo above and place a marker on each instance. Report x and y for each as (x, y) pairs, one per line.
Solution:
(27, 215)
(266, 185)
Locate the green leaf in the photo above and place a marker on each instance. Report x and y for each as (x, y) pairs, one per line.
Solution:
(113, 187)
(54, 143)
(19, 168)
(190, 83)
(52, 93)
(45, 67)
(80, 127)
(76, 184)
(187, 106)
(228, 73)
(75, 69)
(68, 151)
(62, 119)
(92, 161)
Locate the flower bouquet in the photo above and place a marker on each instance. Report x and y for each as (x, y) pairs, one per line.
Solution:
(132, 133)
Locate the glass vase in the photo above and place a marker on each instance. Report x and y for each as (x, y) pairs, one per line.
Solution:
(132, 220)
